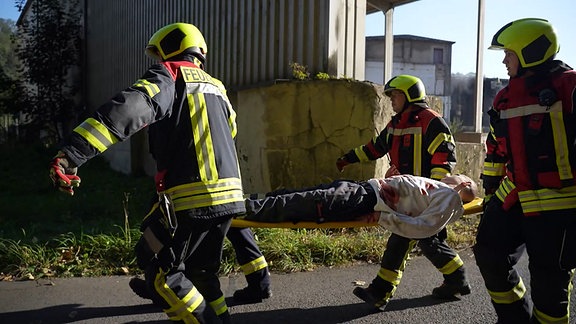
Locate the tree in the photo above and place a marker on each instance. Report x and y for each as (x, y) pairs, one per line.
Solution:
(49, 48)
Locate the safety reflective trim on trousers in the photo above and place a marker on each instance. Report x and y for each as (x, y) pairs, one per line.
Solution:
(219, 305)
(506, 186)
(561, 145)
(452, 265)
(96, 134)
(494, 169)
(200, 188)
(254, 265)
(180, 309)
(150, 88)
(510, 296)
(417, 159)
(391, 276)
(153, 242)
(530, 110)
(543, 318)
(202, 137)
(548, 199)
(440, 138)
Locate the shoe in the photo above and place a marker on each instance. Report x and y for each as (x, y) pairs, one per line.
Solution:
(367, 295)
(449, 291)
(140, 288)
(249, 295)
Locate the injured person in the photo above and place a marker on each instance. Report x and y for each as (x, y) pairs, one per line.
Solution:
(409, 206)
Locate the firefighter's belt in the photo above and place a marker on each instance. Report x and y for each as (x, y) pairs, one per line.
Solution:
(472, 207)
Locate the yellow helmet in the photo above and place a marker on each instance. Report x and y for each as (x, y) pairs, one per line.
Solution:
(533, 40)
(175, 39)
(412, 87)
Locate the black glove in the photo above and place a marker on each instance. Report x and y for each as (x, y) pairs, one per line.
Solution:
(63, 174)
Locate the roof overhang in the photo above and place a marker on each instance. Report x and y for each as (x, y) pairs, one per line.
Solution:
(373, 6)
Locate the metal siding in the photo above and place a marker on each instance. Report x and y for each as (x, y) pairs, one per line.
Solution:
(249, 41)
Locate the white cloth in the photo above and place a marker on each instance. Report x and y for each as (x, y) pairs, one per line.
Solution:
(424, 208)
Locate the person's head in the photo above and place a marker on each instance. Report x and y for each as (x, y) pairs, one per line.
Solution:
(175, 40)
(464, 185)
(404, 90)
(527, 43)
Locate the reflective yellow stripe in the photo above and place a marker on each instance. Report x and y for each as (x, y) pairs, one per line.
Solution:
(199, 194)
(180, 309)
(438, 173)
(151, 88)
(561, 145)
(494, 169)
(451, 266)
(96, 134)
(208, 200)
(508, 297)
(417, 154)
(219, 305)
(441, 138)
(548, 199)
(197, 188)
(543, 318)
(393, 277)
(361, 154)
(254, 265)
(506, 186)
(202, 137)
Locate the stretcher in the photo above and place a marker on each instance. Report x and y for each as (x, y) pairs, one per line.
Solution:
(472, 207)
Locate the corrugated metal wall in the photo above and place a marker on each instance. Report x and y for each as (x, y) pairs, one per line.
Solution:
(249, 41)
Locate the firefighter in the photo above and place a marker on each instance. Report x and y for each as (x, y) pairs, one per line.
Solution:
(418, 142)
(191, 126)
(529, 178)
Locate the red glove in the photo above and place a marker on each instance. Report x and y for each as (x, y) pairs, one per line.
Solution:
(341, 163)
(63, 174)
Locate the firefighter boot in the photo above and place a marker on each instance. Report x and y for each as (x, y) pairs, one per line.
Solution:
(454, 284)
(140, 288)
(370, 296)
(258, 288)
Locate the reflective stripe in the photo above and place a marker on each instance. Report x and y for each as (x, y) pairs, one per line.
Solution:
(202, 137)
(361, 154)
(254, 265)
(198, 194)
(405, 131)
(208, 200)
(529, 110)
(393, 277)
(451, 266)
(417, 161)
(438, 173)
(441, 138)
(561, 145)
(548, 199)
(180, 309)
(510, 296)
(153, 242)
(506, 186)
(197, 188)
(151, 88)
(96, 134)
(219, 305)
(543, 318)
(494, 169)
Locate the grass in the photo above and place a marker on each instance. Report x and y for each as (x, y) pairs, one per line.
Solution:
(45, 233)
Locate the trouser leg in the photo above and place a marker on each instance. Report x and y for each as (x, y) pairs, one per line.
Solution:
(392, 266)
(444, 258)
(499, 245)
(250, 258)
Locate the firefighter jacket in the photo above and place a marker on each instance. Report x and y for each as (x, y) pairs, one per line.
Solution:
(530, 150)
(191, 127)
(420, 208)
(418, 141)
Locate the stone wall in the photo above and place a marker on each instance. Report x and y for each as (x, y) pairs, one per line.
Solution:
(291, 133)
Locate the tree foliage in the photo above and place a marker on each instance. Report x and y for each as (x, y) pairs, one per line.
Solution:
(49, 48)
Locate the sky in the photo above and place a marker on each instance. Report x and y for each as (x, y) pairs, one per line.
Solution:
(457, 21)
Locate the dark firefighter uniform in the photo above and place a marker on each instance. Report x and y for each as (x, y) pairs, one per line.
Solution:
(420, 143)
(191, 128)
(529, 169)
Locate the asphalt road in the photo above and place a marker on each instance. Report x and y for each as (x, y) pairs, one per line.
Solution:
(320, 296)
